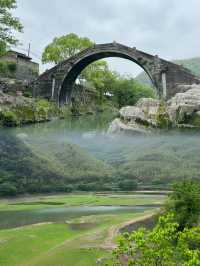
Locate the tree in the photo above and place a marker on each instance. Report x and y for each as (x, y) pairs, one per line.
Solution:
(184, 202)
(128, 185)
(164, 245)
(8, 24)
(101, 78)
(128, 91)
(8, 189)
(174, 241)
(63, 47)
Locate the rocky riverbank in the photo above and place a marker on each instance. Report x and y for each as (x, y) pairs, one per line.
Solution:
(181, 111)
(16, 110)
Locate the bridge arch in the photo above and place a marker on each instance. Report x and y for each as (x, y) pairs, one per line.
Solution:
(93, 54)
(57, 82)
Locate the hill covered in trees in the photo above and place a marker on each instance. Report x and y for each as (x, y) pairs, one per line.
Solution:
(193, 64)
(27, 168)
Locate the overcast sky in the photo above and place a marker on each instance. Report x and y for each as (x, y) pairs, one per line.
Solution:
(169, 28)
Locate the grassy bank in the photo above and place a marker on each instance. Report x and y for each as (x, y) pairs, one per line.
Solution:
(59, 244)
(77, 242)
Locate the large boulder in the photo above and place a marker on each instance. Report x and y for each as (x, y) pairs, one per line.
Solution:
(182, 111)
(6, 99)
(183, 106)
(145, 112)
(150, 107)
(131, 113)
(117, 126)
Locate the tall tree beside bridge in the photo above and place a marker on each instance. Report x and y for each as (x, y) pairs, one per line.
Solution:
(61, 48)
(64, 47)
(8, 24)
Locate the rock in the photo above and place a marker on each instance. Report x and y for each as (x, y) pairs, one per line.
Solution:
(131, 113)
(144, 113)
(186, 126)
(149, 107)
(117, 126)
(183, 87)
(9, 85)
(148, 103)
(182, 111)
(6, 99)
(22, 136)
(184, 105)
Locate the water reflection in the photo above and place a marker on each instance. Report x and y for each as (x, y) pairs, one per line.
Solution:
(11, 219)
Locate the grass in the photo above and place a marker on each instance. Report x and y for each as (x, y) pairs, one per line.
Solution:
(63, 244)
(57, 244)
(18, 246)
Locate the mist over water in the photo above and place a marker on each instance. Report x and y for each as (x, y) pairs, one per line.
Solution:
(173, 154)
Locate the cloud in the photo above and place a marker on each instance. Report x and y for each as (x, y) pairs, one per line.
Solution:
(168, 28)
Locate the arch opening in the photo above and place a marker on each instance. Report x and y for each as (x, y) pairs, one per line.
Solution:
(79, 65)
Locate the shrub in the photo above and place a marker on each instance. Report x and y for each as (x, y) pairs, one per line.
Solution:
(8, 189)
(128, 91)
(163, 245)
(7, 68)
(12, 67)
(3, 68)
(25, 113)
(128, 185)
(9, 118)
(184, 202)
(68, 188)
(162, 117)
(43, 109)
(27, 94)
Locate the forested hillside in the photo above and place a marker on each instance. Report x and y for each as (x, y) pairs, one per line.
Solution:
(25, 168)
(193, 64)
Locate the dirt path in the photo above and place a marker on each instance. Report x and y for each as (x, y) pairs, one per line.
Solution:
(114, 230)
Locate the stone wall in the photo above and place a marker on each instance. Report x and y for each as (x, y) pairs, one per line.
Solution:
(26, 69)
(14, 86)
(176, 76)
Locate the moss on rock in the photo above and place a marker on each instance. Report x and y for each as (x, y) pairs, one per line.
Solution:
(26, 112)
(195, 121)
(9, 118)
(162, 117)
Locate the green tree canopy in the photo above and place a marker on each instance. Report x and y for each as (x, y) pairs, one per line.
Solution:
(100, 76)
(162, 246)
(174, 241)
(127, 91)
(8, 23)
(184, 202)
(64, 47)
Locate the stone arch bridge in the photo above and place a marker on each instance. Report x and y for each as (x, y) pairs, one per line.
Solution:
(57, 82)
